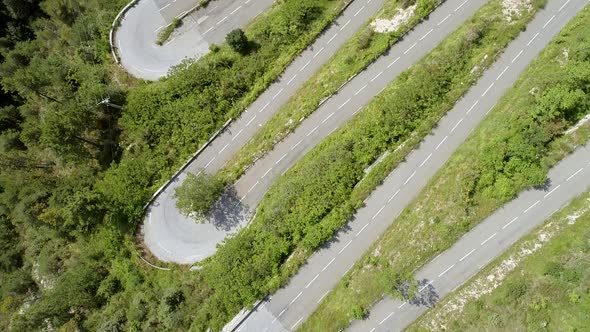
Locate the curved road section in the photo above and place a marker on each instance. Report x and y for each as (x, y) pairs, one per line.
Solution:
(170, 236)
(291, 305)
(135, 38)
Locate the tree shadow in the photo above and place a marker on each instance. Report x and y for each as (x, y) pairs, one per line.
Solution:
(336, 237)
(425, 296)
(228, 212)
(545, 186)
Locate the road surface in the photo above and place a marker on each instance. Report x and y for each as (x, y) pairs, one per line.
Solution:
(172, 237)
(485, 242)
(135, 38)
(291, 305)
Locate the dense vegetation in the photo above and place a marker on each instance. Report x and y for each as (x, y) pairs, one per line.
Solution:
(317, 196)
(76, 172)
(197, 194)
(512, 150)
(548, 290)
(353, 56)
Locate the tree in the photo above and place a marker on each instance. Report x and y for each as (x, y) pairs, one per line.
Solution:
(197, 194)
(237, 40)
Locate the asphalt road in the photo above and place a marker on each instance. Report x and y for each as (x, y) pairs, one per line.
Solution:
(489, 239)
(136, 37)
(174, 238)
(289, 306)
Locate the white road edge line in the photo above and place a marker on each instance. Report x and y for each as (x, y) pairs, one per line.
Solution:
(516, 57)
(532, 206)
(445, 271)
(386, 318)
(376, 214)
(311, 132)
(392, 196)
(265, 173)
(296, 297)
(444, 19)
(341, 250)
(318, 52)
(510, 222)
(223, 148)
(549, 21)
(392, 62)
(277, 94)
(305, 65)
(292, 78)
(235, 10)
(238, 134)
(457, 125)
(551, 192)
(489, 238)
(471, 108)
(425, 160)
(296, 144)
(329, 41)
(441, 142)
(576, 173)
(344, 26)
(421, 38)
(466, 255)
(461, 5)
(355, 14)
(329, 263)
(411, 47)
(424, 287)
(374, 78)
(530, 41)
(278, 161)
(326, 119)
(362, 229)
(560, 8)
(297, 322)
(488, 89)
(249, 190)
(312, 280)
(502, 73)
(409, 178)
(321, 298)
(361, 89)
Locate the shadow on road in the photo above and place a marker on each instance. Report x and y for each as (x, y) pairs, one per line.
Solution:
(427, 297)
(228, 213)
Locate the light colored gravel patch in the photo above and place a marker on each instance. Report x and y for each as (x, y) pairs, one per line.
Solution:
(513, 9)
(403, 15)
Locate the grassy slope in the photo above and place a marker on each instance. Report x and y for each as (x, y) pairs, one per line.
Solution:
(511, 150)
(299, 213)
(548, 290)
(358, 52)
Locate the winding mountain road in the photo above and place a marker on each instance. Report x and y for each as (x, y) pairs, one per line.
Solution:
(291, 305)
(135, 38)
(172, 237)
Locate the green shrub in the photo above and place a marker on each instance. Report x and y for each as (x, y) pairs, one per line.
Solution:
(197, 194)
(237, 40)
